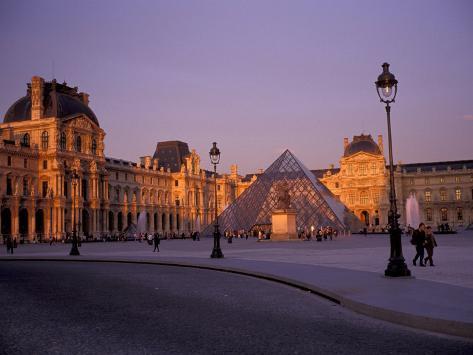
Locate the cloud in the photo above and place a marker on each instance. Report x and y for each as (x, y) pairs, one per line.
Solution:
(468, 117)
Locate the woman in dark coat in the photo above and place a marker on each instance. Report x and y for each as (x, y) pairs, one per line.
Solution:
(430, 244)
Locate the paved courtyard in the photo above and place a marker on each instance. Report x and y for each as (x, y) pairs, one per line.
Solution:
(453, 258)
(113, 308)
(348, 270)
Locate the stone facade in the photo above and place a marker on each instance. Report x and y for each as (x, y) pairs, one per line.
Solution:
(444, 190)
(51, 133)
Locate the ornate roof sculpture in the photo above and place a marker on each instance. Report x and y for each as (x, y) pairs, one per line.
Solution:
(314, 203)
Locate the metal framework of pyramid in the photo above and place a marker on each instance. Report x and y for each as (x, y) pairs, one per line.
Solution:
(314, 203)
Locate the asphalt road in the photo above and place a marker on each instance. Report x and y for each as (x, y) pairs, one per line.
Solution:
(111, 308)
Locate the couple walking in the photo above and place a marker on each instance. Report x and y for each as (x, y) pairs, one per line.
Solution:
(423, 237)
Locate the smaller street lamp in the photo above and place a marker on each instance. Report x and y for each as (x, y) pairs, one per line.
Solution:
(215, 159)
(386, 86)
(74, 181)
(51, 197)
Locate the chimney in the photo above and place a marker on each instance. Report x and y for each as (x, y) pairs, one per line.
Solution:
(380, 143)
(37, 87)
(85, 98)
(345, 143)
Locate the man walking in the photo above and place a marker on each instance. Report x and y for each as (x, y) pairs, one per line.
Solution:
(156, 242)
(418, 238)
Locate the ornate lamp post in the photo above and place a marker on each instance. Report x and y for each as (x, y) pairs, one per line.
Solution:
(386, 86)
(74, 181)
(215, 159)
(51, 196)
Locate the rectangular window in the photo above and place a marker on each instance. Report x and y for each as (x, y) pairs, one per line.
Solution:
(457, 179)
(218, 187)
(459, 213)
(428, 196)
(373, 169)
(428, 215)
(411, 181)
(65, 189)
(126, 177)
(458, 194)
(9, 160)
(45, 164)
(176, 182)
(444, 214)
(25, 187)
(442, 180)
(443, 195)
(25, 163)
(351, 199)
(84, 189)
(364, 198)
(427, 181)
(362, 169)
(44, 191)
(116, 176)
(9, 187)
(376, 197)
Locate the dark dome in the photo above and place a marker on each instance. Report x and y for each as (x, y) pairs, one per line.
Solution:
(19, 111)
(59, 101)
(363, 143)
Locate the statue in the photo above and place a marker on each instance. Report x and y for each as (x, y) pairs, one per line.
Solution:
(284, 200)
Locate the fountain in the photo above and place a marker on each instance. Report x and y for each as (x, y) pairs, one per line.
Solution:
(412, 211)
(141, 225)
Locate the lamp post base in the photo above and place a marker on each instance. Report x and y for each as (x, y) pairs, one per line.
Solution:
(397, 268)
(216, 253)
(74, 250)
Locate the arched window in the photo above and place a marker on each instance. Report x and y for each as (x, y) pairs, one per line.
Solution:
(78, 144)
(62, 142)
(94, 146)
(44, 140)
(26, 140)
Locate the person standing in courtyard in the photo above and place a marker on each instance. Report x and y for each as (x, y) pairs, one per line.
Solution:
(9, 245)
(430, 244)
(418, 239)
(156, 242)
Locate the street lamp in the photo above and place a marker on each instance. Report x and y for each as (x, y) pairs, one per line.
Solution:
(74, 181)
(215, 159)
(51, 196)
(386, 86)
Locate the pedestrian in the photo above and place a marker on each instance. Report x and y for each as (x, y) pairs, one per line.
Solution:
(418, 239)
(50, 240)
(156, 242)
(430, 244)
(9, 245)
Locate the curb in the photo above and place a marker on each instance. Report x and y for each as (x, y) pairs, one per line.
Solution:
(443, 326)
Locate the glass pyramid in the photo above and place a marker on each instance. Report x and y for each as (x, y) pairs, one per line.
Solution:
(314, 203)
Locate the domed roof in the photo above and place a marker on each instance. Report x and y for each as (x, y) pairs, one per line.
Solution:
(362, 143)
(59, 100)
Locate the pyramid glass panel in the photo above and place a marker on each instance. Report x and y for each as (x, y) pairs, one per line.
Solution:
(314, 203)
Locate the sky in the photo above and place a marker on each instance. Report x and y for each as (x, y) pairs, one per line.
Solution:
(257, 77)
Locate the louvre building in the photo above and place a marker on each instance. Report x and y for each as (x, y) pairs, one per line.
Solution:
(54, 175)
